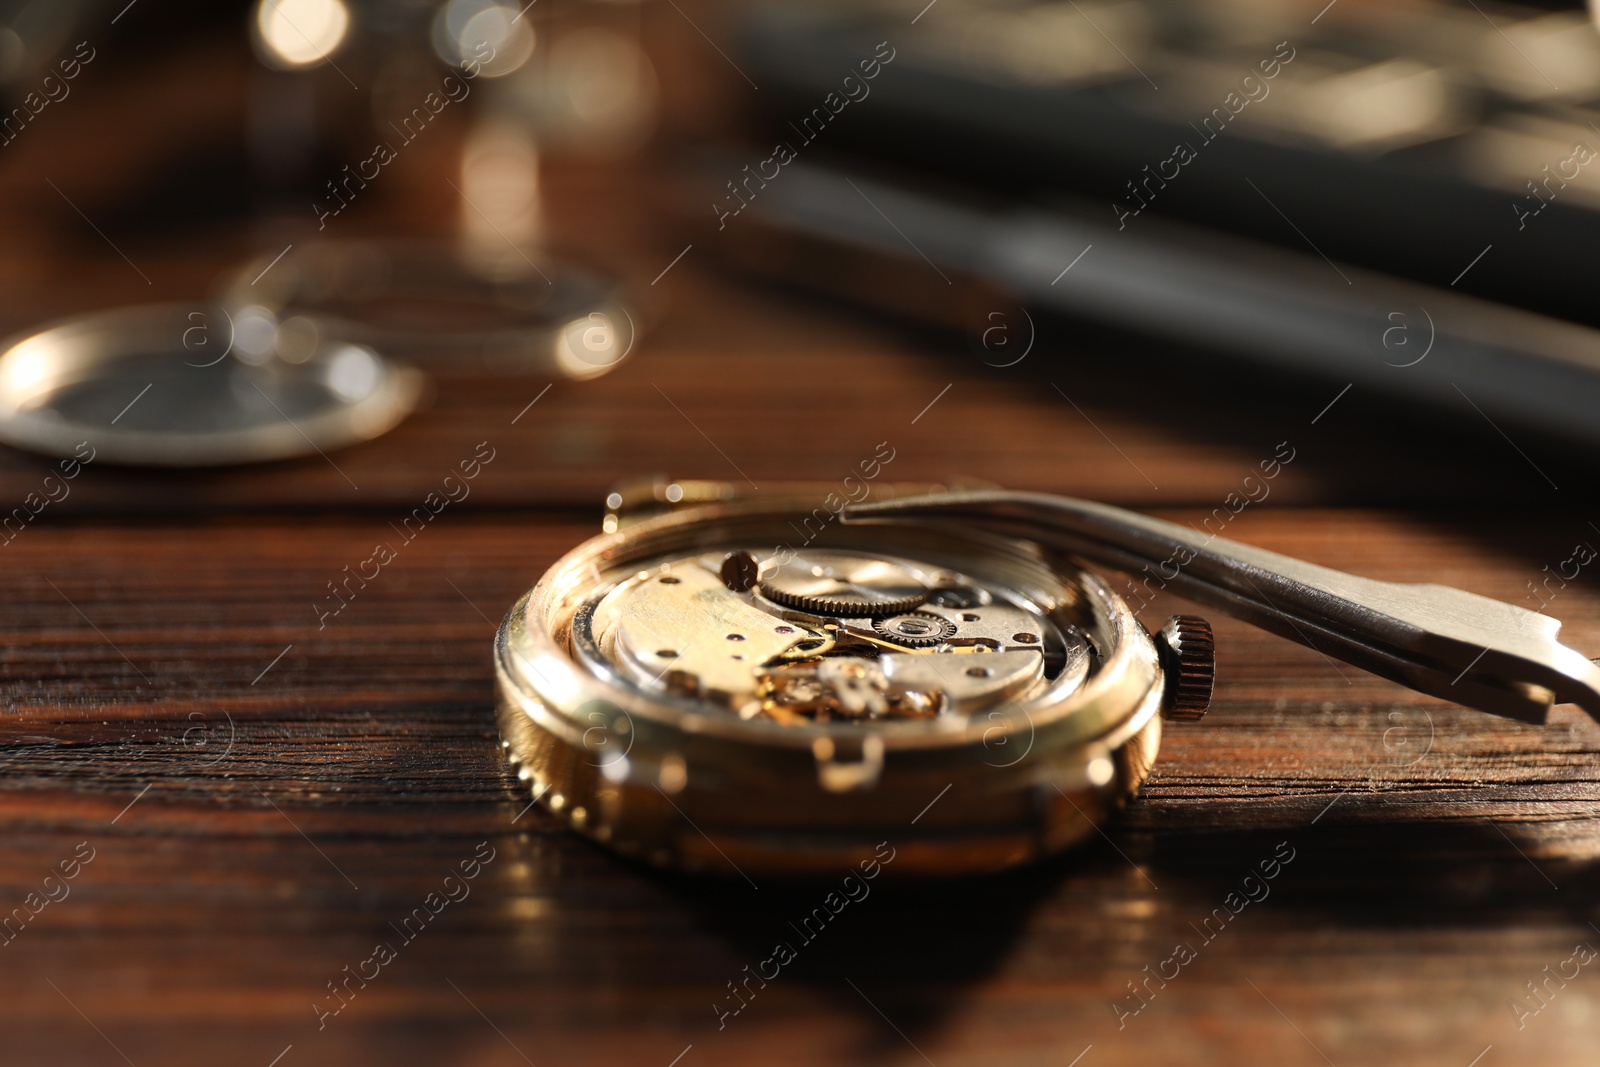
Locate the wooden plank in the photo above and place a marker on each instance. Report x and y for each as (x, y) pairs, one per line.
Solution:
(279, 823)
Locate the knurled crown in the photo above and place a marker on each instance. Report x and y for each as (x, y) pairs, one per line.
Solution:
(1189, 660)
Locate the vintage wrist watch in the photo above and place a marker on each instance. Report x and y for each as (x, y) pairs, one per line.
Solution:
(779, 683)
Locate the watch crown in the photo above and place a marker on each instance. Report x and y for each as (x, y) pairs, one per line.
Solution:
(1189, 660)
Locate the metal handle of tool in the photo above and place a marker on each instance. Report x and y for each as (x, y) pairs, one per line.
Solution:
(1446, 642)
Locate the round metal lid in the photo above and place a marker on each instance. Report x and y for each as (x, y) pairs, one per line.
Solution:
(168, 385)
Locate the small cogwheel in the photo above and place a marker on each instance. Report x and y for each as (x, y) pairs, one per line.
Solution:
(918, 629)
(844, 586)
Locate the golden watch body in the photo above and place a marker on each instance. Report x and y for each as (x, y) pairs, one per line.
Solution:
(693, 691)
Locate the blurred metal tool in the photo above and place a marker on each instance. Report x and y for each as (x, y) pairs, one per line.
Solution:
(1397, 136)
(1281, 308)
(1433, 638)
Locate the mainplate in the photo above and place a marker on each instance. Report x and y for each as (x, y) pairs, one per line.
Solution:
(829, 637)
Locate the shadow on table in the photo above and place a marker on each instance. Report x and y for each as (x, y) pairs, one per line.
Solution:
(1086, 923)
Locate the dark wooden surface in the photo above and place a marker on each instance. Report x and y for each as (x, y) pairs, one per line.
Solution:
(264, 797)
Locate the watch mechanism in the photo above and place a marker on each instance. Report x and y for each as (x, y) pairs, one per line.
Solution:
(827, 637)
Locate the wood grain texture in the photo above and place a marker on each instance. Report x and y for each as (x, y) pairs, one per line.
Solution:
(283, 821)
(265, 797)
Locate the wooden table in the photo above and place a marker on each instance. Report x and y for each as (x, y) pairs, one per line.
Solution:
(264, 800)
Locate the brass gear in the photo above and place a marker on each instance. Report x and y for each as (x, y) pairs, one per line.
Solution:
(844, 586)
(917, 629)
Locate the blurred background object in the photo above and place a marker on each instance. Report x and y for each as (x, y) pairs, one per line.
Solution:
(1443, 144)
(327, 77)
(1406, 137)
(32, 32)
(495, 302)
(1434, 143)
